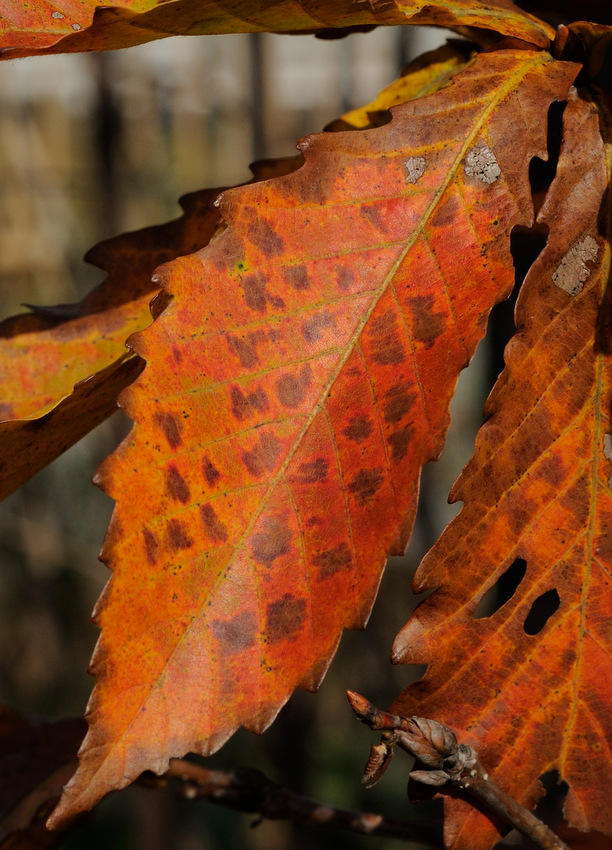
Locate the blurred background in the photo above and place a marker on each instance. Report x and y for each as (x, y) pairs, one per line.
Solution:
(95, 145)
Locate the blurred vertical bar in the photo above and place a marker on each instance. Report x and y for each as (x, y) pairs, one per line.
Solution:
(259, 128)
(108, 124)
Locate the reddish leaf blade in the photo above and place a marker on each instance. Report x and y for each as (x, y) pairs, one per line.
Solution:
(62, 368)
(67, 27)
(295, 385)
(535, 696)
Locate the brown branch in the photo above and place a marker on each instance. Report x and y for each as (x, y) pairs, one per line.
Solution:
(248, 790)
(448, 764)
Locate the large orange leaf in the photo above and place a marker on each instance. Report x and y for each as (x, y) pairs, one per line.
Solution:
(66, 26)
(62, 368)
(530, 697)
(295, 385)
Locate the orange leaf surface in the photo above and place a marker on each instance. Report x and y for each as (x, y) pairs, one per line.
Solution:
(294, 387)
(65, 26)
(62, 368)
(533, 697)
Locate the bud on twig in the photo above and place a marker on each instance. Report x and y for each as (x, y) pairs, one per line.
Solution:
(450, 764)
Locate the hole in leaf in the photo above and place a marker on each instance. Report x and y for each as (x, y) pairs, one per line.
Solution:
(525, 246)
(526, 242)
(542, 172)
(541, 611)
(502, 591)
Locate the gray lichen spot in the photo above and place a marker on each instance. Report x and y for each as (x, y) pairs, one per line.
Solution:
(607, 449)
(573, 270)
(415, 168)
(482, 164)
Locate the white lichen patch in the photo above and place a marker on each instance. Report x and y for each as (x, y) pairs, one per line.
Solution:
(481, 163)
(57, 15)
(415, 168)
(573, 270)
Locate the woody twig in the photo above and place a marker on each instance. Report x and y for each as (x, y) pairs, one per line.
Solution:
(248, 790)
(448, 764)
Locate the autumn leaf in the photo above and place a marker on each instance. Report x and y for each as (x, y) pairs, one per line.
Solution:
(66, 27)
(62, 368)
(529, 686)
(295, 385)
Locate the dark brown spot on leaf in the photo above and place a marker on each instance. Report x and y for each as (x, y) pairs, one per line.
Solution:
(246, 349)
(213, 526)
(311, 472)
(151, 545)
(258, 400)
(211, 473)
(314, 327)
(296, 277)
(552, 470)
(243, 405)
(427, 324)
(237, 634)
(365, 485)
(176, 485)
(263, 235)
(375, 216)
(387, 347)
(291, 390)
(263, 456)
(177, 354)
(240, 405)
(332, 560)
(399, 443)
(254, 288)
(398, 402)
(272, 541)
(358, 429)
(312, 521)
(178, 536)
(345, 277)
(171, 428)
(285, 618)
